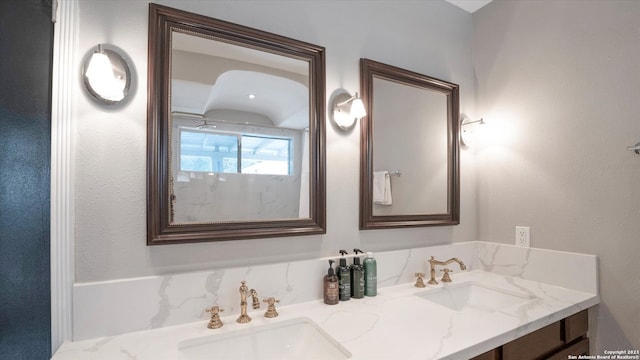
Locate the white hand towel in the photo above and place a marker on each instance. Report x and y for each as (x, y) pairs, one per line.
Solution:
(382, 188)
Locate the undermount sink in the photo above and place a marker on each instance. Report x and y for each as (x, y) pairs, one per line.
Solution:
(297, 338)
(474, 296)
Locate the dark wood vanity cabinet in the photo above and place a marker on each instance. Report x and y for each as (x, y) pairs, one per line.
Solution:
(553, 342)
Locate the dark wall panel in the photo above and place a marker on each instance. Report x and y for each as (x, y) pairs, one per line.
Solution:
(26, 43)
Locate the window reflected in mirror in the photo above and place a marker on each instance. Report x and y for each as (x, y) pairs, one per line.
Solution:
(236, 131)
(209, 151)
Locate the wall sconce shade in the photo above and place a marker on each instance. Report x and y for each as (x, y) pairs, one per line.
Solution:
(466, 130)
(346, 110)
(106, 76)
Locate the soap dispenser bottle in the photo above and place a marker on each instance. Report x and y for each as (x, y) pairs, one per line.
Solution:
(331, 289)
(357, 277)
(344, 278)
(370, 275)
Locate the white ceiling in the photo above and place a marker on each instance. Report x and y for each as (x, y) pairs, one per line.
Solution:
(279, 96)
(201, 45)
(469, 5)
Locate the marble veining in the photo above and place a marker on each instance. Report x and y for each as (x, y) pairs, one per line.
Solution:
(128, 354)
(418, 329)
(486, 257)
(97, 346)
(286, 295)
(404, 267)
(212, 284)
(504, 259)
(164, 307)
(444, 338)
(170, 308)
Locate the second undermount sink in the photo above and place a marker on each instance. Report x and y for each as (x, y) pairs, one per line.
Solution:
(474, 296)
(297, 338)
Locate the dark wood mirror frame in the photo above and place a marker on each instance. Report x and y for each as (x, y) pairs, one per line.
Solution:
(162, 21)
(368, 70)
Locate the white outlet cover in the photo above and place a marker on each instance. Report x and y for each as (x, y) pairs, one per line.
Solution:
(523, 236)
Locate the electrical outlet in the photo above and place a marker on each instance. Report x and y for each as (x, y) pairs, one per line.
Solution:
(523, 236)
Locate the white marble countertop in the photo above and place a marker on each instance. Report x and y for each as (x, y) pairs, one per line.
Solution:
(396, 324)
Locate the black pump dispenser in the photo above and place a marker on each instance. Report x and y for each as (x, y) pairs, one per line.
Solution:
(344, 278)
(343, 261)
(357, 277)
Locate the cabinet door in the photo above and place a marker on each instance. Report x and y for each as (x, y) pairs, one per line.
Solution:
(535, 345)
(579, 348)
(489, 355)
(576, 326)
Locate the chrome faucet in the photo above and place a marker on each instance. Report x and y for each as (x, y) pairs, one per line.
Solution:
(433, 262)
(244, 292)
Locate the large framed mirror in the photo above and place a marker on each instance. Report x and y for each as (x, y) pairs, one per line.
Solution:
(409, 150)
(236, 137)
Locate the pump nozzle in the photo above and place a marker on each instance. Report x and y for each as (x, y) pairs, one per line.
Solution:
(331, 272)
(343, 261)
(356, 259)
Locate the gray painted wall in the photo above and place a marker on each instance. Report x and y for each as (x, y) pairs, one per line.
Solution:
(558, 84)
(430, 37)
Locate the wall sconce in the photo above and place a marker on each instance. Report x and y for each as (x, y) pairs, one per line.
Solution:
(106, 76)
(466, 130)
(635, 148)
(346, 110)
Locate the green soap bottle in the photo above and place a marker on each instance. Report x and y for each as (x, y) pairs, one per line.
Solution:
(370, 275)
(357, 277)
(344, 278)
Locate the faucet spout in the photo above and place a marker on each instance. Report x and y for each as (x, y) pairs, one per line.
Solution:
(462, 265)
(433, 262)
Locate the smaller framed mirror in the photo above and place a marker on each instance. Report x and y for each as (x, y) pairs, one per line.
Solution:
(409, 151)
